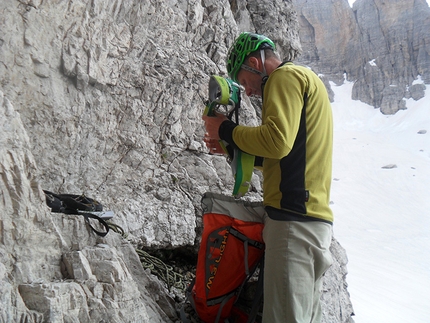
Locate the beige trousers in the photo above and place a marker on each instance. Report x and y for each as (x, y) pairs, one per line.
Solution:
(297, 255)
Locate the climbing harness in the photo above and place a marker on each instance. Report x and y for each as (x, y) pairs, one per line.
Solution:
(79, 205)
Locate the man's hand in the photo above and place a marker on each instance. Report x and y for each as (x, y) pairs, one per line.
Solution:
(211, 138)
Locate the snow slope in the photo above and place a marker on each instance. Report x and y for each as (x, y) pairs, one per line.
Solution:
(381, 203)
(351, 2)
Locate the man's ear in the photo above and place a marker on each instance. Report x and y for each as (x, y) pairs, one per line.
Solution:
(253, 62)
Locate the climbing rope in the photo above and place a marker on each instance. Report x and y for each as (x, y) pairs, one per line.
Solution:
(157, 267)
(164, 272)
(117, 229)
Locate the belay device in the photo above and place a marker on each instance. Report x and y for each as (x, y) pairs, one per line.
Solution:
(224, 97)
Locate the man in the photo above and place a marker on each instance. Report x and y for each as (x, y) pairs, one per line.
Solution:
(294, 143)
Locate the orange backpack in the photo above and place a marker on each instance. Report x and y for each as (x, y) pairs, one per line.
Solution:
(231, 248)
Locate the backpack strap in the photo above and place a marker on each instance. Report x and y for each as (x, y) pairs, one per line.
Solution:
(259, 291)
(246, 243)
(224, 299)
(188, 297)
(258, 294)
(184, 318)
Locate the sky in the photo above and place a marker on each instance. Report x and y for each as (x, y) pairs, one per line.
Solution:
(381, 202)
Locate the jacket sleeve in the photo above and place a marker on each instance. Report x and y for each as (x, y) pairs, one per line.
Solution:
(282, 106)
(225, 133)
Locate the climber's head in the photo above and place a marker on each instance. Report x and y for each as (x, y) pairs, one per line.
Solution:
(248, 53)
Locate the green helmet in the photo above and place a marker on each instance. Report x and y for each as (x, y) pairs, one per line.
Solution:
(245, 44)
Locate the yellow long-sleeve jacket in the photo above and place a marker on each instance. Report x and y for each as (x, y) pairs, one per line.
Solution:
(295, 141)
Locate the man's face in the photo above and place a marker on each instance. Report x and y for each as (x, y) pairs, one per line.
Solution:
(249, 80)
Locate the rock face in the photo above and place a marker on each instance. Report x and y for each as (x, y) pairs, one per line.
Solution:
(52, 269)
(111, 96)
(381, 46)
(105, 98)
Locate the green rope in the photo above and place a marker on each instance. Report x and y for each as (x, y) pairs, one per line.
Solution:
(165, 272)
(157, 267)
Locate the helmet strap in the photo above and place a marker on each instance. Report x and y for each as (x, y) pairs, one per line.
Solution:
(263, 59)
(251, 69)
(263, 74)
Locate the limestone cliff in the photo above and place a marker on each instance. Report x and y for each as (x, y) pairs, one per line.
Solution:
(382, 46)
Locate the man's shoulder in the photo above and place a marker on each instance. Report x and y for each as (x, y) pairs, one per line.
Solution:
(291, 67)
(289, 72)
